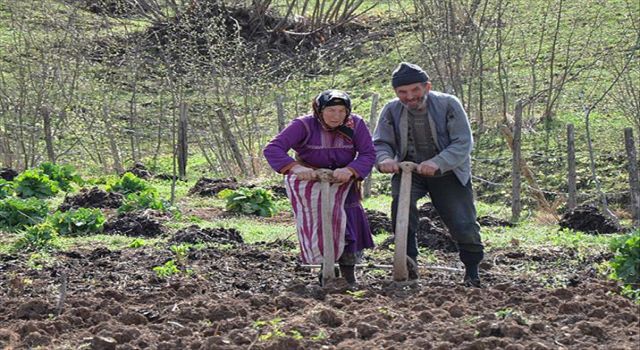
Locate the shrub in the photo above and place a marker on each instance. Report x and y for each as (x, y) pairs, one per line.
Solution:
(626, 261)
(147, 199)
(32, 183)
(78, 222)
(128, 183)
(16, 213)
(64, 175)
(43, 236)
(249, 201)
(6, 188)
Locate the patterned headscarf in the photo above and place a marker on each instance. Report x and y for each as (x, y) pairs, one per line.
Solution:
(334, 98)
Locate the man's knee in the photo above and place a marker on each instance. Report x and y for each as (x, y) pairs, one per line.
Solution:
(467, 235)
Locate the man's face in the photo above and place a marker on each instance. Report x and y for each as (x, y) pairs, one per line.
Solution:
(334, 116)
(413, 95)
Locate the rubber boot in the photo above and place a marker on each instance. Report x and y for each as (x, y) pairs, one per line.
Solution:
(471, 261)
(412, 268)
(349, 273)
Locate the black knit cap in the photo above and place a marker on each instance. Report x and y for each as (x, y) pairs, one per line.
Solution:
(408, 73)
(332, 98)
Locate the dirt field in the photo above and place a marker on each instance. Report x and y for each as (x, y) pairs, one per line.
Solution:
(258, 297)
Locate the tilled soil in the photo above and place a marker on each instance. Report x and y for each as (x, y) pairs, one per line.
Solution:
(92, 198)
(211, 187)
(588, 218)
(259, 297)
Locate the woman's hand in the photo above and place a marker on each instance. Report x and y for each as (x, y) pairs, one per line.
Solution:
(342, 174)
(303, 173)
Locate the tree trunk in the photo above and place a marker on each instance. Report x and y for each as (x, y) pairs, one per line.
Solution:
(230, 139)
(115, 152)
(182, 141)
(634, 178)
(48, 135)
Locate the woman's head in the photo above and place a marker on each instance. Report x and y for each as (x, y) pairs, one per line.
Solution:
(332, 107)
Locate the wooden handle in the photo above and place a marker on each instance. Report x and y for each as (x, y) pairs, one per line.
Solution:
(400, 272)
(328, 254)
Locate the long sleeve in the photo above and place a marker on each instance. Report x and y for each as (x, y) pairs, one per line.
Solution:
(363, 163)
(384, 138)
(276, 151)
(460, 136)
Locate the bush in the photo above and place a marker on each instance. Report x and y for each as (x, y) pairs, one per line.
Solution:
(147, 199)
(626, 261)
(64, 175)
(16, 213)
(249, 201)
(6, 188)
(39, 237)
(128, 183)
(33, 183)
(78, 222)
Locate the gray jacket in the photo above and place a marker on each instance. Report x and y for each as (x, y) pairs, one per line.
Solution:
(449, 126)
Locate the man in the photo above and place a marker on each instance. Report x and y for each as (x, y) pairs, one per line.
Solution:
(431, 129)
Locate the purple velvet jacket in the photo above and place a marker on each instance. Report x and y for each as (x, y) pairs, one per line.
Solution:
(320, 148)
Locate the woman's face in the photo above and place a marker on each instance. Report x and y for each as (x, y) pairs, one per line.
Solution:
(334, 116)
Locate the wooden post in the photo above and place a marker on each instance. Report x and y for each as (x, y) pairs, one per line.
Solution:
(182, 141)
(571, 163)
(280, 108)
(226, 131)
(516, 205)
(634, 178)
(328, 252)
(373, 117)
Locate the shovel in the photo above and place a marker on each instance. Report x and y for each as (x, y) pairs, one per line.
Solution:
(328, 255)
(400, 272)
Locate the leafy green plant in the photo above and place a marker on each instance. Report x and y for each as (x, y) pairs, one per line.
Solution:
(147, 199)
(33, 183)
(64, 175)
(180, 251)
(249, 201)
(128, 183)
(167, 270)
(16, 213)
(6, 188)
(78, 222)
(626, 263)
(43, 236)
(39, 260)
(137, 243)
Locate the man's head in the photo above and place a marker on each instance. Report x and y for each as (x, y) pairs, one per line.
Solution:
(411, 85)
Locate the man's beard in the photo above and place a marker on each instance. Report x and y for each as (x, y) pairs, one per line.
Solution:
(420, 105)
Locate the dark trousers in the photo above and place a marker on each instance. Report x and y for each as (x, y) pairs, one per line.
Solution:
(454, 203)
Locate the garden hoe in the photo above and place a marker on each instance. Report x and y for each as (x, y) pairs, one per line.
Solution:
(328, 255)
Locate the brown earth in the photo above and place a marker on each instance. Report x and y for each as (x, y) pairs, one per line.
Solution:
(259, 297)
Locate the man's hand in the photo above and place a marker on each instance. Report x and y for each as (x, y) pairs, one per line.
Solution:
(427, 168)
(342, 174)
(303, 173)
(389, 166)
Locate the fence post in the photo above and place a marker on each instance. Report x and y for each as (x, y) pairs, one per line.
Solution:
(571, 164)
(280, 109)
(366, 188)
(634, 180)
(516, 205)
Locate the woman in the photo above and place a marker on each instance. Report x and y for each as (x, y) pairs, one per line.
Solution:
(330, 138)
